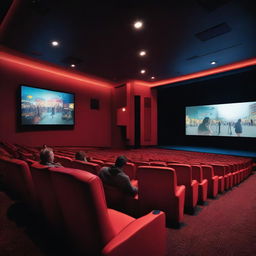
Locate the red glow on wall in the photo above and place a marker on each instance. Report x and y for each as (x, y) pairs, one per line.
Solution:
(217, 70)
(32, 64)
(233, 66)
(8, 17)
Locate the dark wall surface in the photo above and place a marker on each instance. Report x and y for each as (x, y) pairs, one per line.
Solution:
(226, 88)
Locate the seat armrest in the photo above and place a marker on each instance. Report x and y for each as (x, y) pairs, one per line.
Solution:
(204, 181)
(215, 177)
(180, 190)
(139, 238)
(194, 182)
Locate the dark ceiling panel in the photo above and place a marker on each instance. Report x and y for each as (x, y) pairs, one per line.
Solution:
(214, 31)
(100, 39)
(211, 5)
(5, 5)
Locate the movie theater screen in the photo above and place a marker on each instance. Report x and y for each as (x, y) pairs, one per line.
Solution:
(233, 119)
(46, 107)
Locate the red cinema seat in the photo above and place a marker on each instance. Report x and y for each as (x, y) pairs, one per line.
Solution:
(96, 230)
(235, 173)
(229, 180)
(96, 161)
(108, 164)
(219, 170)
(17, 178)
(197, 174)
(129, 169)
(3, 152)
(64, 160)
(30, 161)
(46, 196)
(247, 170)
(158, 163)
(212, 180)
(184, 177)
(86, 166)
(139, 163)
(243, 170)
(118, 200)
(158, 190)
(238, 171)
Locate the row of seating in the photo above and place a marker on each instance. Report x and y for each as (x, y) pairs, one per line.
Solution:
(175, 181)
(73, 203)
(184, 185)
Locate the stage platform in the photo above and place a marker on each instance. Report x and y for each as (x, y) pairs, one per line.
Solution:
(231, 152)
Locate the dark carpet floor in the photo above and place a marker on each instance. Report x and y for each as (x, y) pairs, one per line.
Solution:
(224, 226)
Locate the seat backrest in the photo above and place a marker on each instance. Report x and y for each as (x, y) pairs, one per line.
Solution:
(183, 172)
(3, 152)
(18, 178)
(96, 161)
(156, 185)
(197, 173)
(141, 163)
(207, 172)
(157, 163)
(86, 166)
(115, 198)
(108, 164)
(81, 197)
(46, 195)
(219, 169)
(232, 168)
(29, 161)
(130, 170)
(65, 161)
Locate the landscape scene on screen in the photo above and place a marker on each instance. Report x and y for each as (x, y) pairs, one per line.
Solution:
(45, 107)
(233, 119)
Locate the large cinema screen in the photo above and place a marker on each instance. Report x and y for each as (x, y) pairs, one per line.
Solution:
(232, 119)
(46, 107)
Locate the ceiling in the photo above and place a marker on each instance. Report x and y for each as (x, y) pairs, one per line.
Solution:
(180, 37)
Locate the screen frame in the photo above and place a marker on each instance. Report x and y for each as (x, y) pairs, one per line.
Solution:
(215, 136)
(37, 127)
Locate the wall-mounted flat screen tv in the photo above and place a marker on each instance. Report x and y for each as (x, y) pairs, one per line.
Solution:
(46, 107)
(232, 119)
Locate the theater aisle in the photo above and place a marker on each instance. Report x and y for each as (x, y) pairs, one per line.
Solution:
(225, 227)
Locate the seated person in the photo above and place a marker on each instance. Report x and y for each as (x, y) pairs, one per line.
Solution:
(114, 176)
(80, 155)
(47, 158)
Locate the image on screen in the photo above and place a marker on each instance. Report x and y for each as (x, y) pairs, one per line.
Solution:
(232, 119)
(46, 107)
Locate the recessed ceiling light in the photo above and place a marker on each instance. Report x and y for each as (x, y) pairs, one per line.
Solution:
(138, 24)
(55, 43)
(72, 65)
(152, 77)
(143, 71)
(123, 109)
(213, 62)
(142, 53)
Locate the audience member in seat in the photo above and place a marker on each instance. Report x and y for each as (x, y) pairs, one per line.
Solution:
(114, 176)
(204, 127)
(47, 158)
(80, 155)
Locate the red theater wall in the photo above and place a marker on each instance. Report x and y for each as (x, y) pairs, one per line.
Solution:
(148, 112)
(92, 127)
